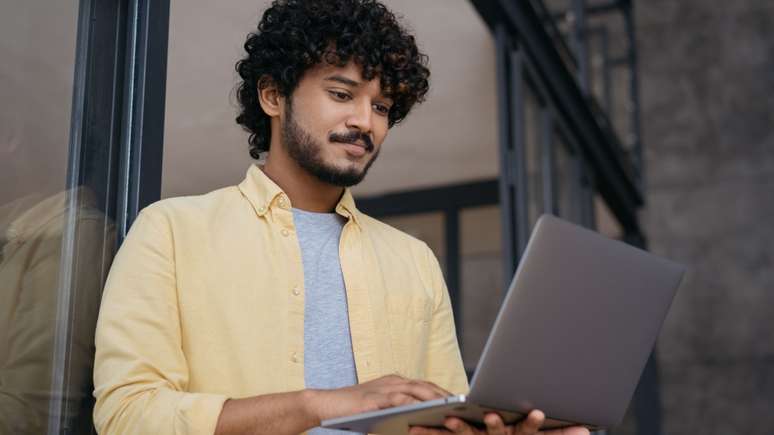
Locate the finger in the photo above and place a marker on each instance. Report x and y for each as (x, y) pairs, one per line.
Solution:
(494, 424)
(400, 399)
(421, 430)
(573, 430)
(458, 426)
(383, 400)
(531, 424)
(433, 391)
(417, 390)
(394, 380)
(442, 392)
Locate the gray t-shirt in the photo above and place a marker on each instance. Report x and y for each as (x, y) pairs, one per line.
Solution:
(328, 358)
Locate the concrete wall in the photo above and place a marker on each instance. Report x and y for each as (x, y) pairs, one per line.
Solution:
(707, 71)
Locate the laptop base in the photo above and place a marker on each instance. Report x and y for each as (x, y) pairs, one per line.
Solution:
(398, 420)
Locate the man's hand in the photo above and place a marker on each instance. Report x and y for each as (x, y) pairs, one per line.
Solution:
(299, 411)
(495, 426)
(385, 392)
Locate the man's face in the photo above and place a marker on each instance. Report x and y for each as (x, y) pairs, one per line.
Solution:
(335, 123)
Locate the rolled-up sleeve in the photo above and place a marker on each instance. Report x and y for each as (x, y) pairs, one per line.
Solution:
(140, 371)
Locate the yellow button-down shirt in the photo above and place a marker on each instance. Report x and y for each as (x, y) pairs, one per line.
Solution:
(205, 301)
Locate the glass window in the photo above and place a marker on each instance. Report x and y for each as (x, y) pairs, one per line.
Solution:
(481, 278)
(36, 216)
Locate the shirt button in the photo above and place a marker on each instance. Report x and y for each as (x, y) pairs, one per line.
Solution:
(294, 357)
(285, 232)
(296, 291)
(262, 209)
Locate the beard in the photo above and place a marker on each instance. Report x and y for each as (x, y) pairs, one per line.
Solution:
(306, 151)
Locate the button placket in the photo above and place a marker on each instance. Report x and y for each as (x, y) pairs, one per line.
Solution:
(283, 219)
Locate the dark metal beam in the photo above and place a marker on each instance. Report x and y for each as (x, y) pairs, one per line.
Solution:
(472, 194)
(634, 94)
(596, 9)
(549, 20)
(646, 400)
(647, 396)
(144, 97)
(580, 45)
(603, 35)
(453, 263)
(518, 96)
(548, 163)
(604, 8)
(506, 183)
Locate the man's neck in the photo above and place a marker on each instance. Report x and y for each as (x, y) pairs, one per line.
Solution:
(305, 191)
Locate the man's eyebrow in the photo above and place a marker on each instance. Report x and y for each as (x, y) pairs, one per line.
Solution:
(342, 80)
(349, 82)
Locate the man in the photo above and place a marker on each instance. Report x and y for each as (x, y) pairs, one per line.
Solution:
(272, 305)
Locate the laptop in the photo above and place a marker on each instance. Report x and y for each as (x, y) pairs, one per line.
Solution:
(572, 337)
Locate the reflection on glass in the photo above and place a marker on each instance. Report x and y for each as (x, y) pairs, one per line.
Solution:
(28, 280)
(30, 286)
(36, 209)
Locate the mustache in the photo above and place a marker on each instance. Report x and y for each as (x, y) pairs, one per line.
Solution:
(353, 136)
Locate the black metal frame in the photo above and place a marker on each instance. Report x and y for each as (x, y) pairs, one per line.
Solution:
(116, 139)
(144, 96)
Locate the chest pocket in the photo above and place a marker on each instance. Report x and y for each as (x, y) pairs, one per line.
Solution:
(409, 312)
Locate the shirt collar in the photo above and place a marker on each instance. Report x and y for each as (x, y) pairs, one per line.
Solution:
(263, 194)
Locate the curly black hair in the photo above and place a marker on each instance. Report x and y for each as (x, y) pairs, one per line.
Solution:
(295, 35)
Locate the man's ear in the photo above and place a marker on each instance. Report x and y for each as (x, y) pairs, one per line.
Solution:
(269, 97)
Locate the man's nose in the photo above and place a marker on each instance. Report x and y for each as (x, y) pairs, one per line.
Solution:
(361, 117)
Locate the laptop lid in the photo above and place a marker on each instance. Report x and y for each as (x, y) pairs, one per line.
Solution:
(576, 327)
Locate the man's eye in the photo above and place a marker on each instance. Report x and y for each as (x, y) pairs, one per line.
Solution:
(341, 96)
(381, 109)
